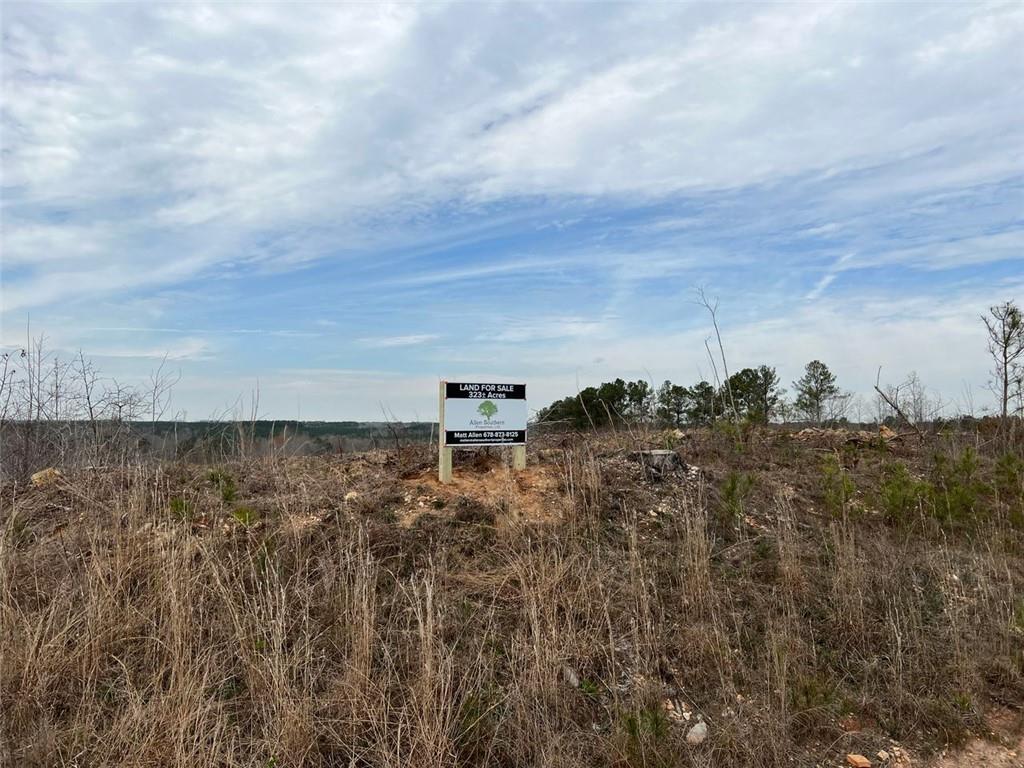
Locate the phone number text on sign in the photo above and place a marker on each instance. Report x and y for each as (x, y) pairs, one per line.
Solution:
(506, 437)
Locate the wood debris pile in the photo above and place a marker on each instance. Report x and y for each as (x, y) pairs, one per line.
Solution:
(835, 437)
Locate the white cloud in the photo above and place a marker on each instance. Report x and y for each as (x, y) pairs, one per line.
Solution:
(826, 280)
(222, 122)
(521, 330)
(191, 348)
(386, 342)
(156, 155)
(961, 251)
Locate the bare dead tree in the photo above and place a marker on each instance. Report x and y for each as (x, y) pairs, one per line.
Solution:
(397, 430)
(714, 367)
(7, 374)
(158, 393)
(893, 403)
(62, 411)
(88, 382)
(712, 308)
(837, 406)
(912, 397)
(1005, 326)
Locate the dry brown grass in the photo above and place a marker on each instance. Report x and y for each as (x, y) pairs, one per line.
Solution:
(252, 616)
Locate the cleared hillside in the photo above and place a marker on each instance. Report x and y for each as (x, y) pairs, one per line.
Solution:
(805, 596)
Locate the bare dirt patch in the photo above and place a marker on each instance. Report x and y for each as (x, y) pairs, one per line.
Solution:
(1005, 748)
(532, 495)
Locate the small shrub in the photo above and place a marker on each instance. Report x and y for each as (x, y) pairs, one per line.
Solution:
(733, 438)
(1009, 475)
(21, 534)
(814, 694)
(647, 733)
(956, 489)
(671, 438)
(765, 549)
(231, 688)
(225, 483)
(648, 722)
(467, 510)
(735, 490)
(837, 487)
(180, 507)
(109, 691)
(963, 703)
(1009, 484)
(245, 515)
(479, 715)
(900, 494)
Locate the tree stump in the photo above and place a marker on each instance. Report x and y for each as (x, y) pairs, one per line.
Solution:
(658, 463)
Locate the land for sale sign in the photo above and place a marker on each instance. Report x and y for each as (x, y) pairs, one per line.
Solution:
(476, 413)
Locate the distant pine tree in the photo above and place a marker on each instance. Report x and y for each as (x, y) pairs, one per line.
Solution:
(814, 390)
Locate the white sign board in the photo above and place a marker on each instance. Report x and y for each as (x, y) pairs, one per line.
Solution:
(484, 414)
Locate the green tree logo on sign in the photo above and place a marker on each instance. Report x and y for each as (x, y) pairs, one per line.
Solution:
(487, 409)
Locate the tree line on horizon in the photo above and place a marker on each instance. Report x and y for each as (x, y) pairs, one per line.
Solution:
(754, 395)
(38, 388)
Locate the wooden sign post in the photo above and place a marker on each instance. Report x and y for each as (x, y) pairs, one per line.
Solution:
(444, 459)
(473, 414)
(519, 457)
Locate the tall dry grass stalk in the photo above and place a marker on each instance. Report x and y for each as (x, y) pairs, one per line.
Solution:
(584, 487)
(694, 554)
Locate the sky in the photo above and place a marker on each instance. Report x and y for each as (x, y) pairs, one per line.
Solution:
(339, 205)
